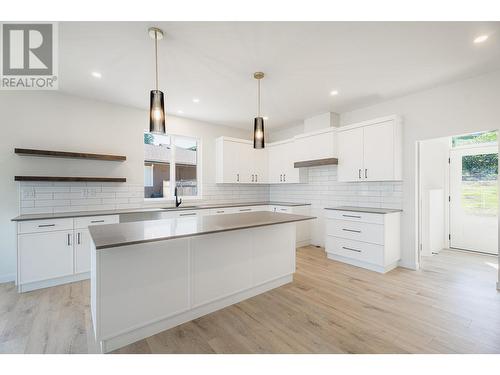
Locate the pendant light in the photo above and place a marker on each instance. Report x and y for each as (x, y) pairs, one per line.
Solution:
(156, 102)
(258, 122)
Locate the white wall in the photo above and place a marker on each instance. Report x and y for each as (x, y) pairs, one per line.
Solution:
(54, 121)
(458, 108)
(434, 173)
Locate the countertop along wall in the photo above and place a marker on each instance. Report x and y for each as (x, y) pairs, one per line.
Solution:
(461, 107)
(55, 121)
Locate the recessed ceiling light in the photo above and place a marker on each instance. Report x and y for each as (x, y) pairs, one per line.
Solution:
(266, 118)
(196, 100)
(96, 75)
(334, 92)
(481, 39)
(180, 111)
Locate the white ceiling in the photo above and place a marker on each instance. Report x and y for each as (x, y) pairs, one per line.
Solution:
(366, 62)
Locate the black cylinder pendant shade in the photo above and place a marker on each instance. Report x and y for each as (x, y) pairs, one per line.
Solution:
(156, 112)
(258, 132)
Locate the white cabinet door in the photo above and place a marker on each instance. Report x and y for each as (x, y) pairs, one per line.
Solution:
(44, 256)
(244, 158)
(227, 161)
(275, 172)
(82, 250)
(379, 152)
(260, 165)
(350, 155)
(290, 173)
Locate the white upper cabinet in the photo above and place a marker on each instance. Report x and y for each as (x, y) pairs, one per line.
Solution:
(350, 155)
(238, 162)
(282, 156)
(371, 151)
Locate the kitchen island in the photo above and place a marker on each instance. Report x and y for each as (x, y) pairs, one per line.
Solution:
(150, 276)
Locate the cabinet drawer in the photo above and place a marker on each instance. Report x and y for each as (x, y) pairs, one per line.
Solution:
(364, 217)
(84, 222)
(48, 225)
(367, 232)
(362, 251)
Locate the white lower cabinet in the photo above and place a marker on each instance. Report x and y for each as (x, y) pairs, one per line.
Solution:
(46, 255)
(368, 240)
(83, 246)
(53, 252)
(303, 231)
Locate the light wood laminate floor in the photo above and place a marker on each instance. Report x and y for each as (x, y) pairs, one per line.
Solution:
(450, 306)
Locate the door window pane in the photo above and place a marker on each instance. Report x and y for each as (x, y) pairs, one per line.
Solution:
(479, 184)
(474, 138)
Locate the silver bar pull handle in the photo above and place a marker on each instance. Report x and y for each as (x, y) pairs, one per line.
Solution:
(351, 230)
(189, 214)
(366, 173)
(245, 209)
(220, 212)
(351, 249)
(78, 238)
(256, 178)
(281, 178)
(237, 177)
(284, 177)
(69, 239)
(356, 217)
(46, 225)
(359, 173)
(97, 221)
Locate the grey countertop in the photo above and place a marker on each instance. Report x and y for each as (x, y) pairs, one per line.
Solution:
(114, 235)
(191, 206)
(370, 210)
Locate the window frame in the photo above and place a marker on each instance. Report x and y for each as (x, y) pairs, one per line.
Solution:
(171, 196)
(474, 145)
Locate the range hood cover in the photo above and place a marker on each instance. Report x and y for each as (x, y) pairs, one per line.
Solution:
(315, 163)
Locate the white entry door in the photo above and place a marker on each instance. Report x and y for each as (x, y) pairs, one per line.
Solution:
(474, 199)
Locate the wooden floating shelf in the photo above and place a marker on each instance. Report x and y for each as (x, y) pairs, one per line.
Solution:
(70, 179)
(315, 163)
(68, 155)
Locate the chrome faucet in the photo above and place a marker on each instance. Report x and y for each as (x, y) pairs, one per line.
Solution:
(178, 200)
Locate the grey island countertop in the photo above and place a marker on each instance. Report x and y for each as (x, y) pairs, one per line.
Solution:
(369, 210)
(114, 235)
(187, 206)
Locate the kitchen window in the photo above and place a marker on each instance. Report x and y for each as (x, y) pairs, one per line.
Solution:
(171, 161)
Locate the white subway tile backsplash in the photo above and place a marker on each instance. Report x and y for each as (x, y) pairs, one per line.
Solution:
(43, 196)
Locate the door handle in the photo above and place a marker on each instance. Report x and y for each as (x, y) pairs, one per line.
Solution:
(78, 238)
(351, 230)
(237, 177)
(359, 173)
(253, 178)
(256, 179)
(190, 214)
(366, 173)
(246, 209)
(356, 217)
(46, 225)
(351, 249)
(97, 221)
(69, 239)
(281, 178)
(284, 177)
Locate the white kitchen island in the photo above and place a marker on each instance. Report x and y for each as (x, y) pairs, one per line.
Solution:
(150, 276)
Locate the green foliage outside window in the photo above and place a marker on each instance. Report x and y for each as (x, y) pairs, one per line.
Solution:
(474, 138)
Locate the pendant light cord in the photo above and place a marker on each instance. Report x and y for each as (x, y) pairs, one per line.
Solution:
(258, 98)
(156, 58)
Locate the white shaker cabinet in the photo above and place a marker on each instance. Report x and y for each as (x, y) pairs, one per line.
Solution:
(45, 255)
(371, 151)
(317, 145)
(282, 156)
(238, 162)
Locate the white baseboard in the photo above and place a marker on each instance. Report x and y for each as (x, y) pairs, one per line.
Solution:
(52, 282)
(7, 278)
